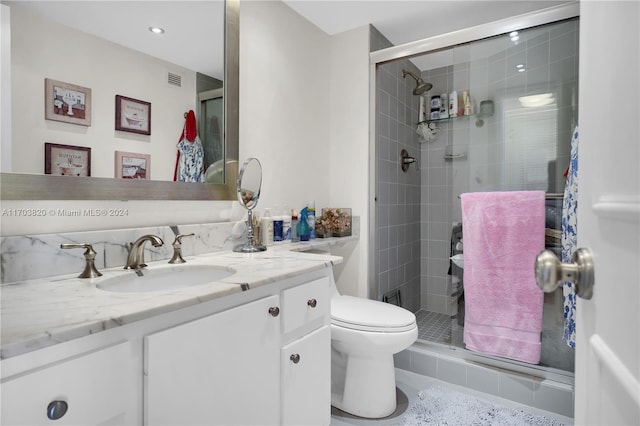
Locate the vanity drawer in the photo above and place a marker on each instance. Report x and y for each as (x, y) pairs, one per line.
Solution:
(306, 303)
(91, 389)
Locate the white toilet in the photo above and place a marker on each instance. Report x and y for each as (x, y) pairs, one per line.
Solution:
(364, 336)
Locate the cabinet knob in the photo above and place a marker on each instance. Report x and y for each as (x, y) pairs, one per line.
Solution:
(312, 303)
(295, 358)
(274, 311)
(57, 409)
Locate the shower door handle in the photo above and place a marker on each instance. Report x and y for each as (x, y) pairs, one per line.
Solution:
(550, 272)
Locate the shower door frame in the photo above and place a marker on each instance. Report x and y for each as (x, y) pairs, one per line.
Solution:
(424, 46)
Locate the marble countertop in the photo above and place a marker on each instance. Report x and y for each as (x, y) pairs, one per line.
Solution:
(43, 312)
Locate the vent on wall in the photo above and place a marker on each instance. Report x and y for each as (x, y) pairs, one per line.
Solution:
(174, 79)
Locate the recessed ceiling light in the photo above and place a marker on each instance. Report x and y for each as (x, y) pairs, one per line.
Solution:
(156, 30)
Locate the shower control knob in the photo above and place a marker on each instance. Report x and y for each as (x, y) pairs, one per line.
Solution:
(312, 303)
(274, 311)
(295, 358)
(550, 272)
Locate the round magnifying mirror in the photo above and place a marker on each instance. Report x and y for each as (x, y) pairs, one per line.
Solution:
(249, 183)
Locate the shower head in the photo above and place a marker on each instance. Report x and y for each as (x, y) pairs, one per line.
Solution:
(421, 86)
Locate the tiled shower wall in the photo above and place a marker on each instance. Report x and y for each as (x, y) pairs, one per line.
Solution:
(397, 193)
(551, 60)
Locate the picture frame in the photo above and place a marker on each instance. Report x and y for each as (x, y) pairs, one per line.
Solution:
(133, 115)
(67, 160)
(67, 102)
(131, 165)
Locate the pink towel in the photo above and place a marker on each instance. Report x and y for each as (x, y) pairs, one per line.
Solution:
(503, 234)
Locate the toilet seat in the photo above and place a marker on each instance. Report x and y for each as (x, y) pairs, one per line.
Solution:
(370, 315)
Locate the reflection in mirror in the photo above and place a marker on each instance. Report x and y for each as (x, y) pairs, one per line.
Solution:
(249, 184)
(42, 48)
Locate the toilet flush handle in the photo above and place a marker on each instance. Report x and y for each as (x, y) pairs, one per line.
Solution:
(312, 303)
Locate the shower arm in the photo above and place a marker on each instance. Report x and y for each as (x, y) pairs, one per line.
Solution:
(415, 77)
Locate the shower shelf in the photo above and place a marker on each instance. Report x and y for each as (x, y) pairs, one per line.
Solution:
(444, 120)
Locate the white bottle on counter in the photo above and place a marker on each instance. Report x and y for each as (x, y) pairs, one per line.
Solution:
(311, 218)
(266, 228)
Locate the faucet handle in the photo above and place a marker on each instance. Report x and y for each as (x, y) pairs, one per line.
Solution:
(90, 270)
(179, 237)
(177, 248)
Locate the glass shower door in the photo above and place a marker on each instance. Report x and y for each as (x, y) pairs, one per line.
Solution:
(520, 91)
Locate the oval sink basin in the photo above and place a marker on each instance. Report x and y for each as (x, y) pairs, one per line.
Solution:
(171, 278)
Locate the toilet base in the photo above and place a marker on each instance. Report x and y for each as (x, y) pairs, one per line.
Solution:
(364, 386)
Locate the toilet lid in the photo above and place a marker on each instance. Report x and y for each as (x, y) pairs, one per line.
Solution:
(370, 315)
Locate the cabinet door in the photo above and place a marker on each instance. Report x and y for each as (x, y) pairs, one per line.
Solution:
(97, 388)
(219, 370)
(306, 303)
(306, 379)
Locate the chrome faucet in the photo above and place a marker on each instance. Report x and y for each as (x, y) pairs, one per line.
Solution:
(135, 260)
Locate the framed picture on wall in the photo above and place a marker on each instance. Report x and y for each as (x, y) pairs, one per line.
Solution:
(67, 160)
(130, 165)
(133, 115)
(67, 102)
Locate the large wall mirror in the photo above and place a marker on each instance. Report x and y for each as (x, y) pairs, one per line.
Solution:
(109, 48)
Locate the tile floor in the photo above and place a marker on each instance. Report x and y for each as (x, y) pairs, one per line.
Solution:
(439, 328)
(409, 384)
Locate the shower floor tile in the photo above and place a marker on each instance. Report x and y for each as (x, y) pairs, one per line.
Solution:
(439, 328)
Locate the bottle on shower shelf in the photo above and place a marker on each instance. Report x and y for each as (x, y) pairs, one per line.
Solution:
(444, 106)
(466, 102)
(453, 104)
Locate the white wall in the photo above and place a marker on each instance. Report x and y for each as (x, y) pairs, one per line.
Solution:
(44, 49)
(284, 103)
(304, 114)
(349, 148)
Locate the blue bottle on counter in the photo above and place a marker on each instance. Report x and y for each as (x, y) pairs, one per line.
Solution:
(278, 231)
(303, 228)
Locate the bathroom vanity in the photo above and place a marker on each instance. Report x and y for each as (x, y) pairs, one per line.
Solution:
(250, 348)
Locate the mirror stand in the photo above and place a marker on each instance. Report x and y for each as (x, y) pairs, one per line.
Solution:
(249, 184)
(250, 247)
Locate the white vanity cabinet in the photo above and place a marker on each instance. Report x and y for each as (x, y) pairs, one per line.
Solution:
(255, 357)
(90, 389)
(306, 354)
(219, 370)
